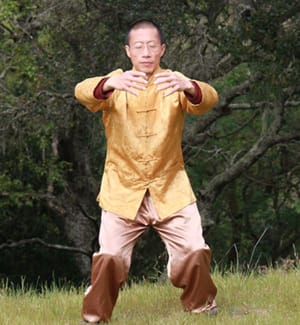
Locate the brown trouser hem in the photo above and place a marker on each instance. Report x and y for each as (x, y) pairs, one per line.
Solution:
(193, 276)
(108, 275)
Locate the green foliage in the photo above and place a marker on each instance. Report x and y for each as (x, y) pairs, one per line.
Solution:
(51, 147)
(261, 202)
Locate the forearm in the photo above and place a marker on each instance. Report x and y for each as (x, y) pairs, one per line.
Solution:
(84, 93)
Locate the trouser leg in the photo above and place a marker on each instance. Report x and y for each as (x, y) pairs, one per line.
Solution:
(189, 257)
(110, 266)
(108, 275)
(192, 275)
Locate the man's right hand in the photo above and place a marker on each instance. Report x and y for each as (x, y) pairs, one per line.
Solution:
(127, 81)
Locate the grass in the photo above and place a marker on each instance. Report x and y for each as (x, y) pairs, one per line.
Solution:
(269, 298)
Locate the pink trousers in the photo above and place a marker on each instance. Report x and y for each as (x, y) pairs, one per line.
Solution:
(188, 265)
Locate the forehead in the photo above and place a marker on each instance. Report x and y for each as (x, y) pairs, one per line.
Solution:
(142, 34)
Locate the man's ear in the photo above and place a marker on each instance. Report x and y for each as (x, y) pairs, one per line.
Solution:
(163, 50)
(127, 50)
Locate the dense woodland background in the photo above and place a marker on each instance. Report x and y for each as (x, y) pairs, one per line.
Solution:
(243, 157)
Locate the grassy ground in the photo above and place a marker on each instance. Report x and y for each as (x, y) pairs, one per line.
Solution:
(269, 298)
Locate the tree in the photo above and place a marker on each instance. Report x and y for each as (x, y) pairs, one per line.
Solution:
(242, 156)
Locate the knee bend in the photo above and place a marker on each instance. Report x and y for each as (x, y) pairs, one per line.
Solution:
(189, 250)
(114, 259)
(179, 266)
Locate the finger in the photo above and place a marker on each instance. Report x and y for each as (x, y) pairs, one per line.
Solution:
(162, 79)
(166, 79)
(140, 80)
(163, 74)
(137, 86)
(130, 87)
(171, 88)
(168, 93)
(131, 79)
(129, 90)
(137, 83)
(134, 76)
(139, 75)
(164, 86)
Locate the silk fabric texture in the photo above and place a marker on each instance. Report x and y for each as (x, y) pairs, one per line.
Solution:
(144, 135)
(188, 266)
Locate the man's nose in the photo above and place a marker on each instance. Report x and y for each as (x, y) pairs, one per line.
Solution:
(146, 51)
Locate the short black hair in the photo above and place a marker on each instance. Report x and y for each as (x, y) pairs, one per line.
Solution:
(144, 23)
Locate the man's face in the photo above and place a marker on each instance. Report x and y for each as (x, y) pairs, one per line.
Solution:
(145, 49)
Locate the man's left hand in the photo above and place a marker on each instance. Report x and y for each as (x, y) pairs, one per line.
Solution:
(173, 82)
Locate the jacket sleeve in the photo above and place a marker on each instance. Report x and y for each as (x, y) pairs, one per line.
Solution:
(208, 101)
(84, 93)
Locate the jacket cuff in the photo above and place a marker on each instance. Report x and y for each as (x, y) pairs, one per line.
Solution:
(98, 91)
(197, 98)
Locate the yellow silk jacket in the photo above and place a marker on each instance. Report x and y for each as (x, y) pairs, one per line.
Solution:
(143, 136)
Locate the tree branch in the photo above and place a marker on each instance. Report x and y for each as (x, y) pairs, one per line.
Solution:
(222, 109)
(258, 149)
(6, 28)
(39, 241)
(241, 127)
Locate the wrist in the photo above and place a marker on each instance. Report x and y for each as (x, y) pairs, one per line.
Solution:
(99, 92)
(190, 89)
(195, 98)
(106, 87)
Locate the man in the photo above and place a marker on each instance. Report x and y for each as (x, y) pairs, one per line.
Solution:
(144, 181)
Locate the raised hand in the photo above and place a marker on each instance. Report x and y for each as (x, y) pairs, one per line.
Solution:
(127, 81)
(173, 82)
